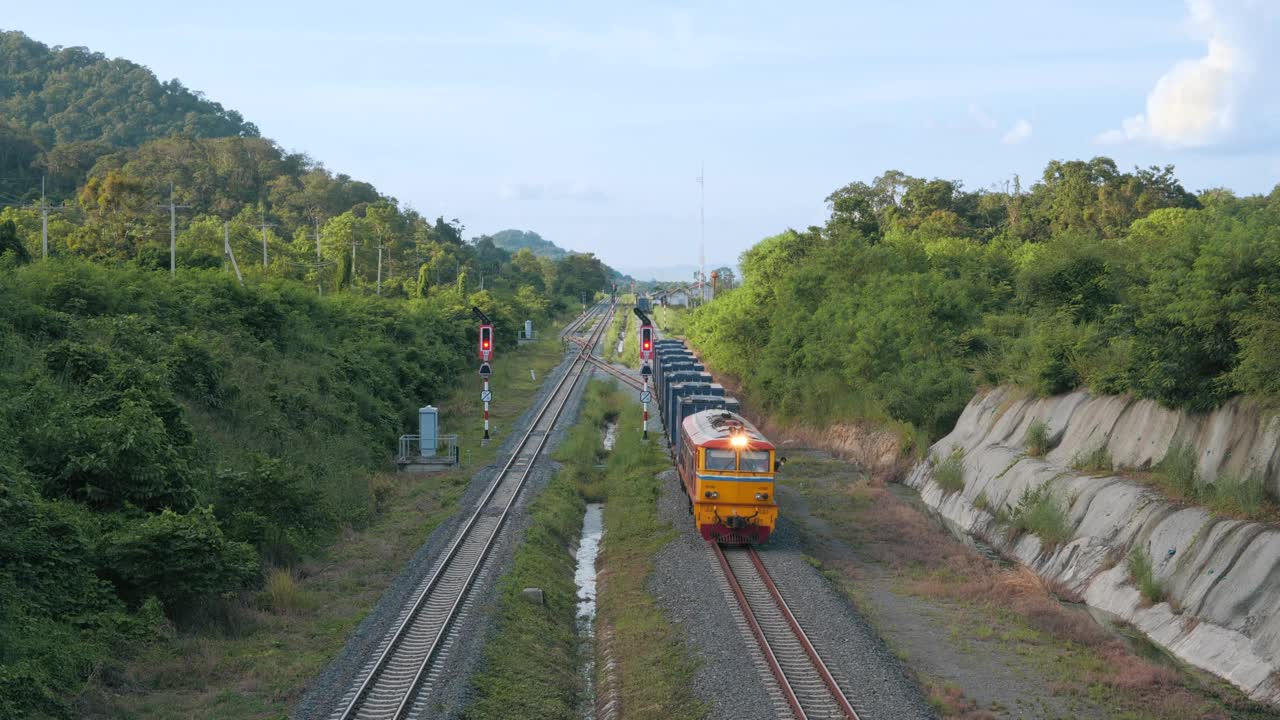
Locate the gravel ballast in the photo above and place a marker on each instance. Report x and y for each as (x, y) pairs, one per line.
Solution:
(732, 678)
(873, 678)
(448, 698)
(684, 584)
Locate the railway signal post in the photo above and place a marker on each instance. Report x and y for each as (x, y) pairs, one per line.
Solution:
(486, 370)
(646, 357)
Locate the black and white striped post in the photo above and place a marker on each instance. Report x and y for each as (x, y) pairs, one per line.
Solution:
(646, 356)
(486, 370)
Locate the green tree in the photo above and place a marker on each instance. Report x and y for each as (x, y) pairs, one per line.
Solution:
(10, 244)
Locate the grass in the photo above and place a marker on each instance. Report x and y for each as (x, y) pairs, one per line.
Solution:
(620, 325)
(1097, 460)
(671, 321)
(1143, 575)
(256, 662)
(1239, 497)
(1039, 513)
(282, 594)
(949, 701)
(949, 474)
(653, 668)
(1037, 438)
(630, 355)
(1177, 472)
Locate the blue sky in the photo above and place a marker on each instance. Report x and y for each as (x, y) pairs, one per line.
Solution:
(588, 122)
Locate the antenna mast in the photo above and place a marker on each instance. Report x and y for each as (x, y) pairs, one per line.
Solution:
(702, 229)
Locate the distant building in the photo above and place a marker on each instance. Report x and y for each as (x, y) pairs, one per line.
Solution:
(702, 292)
(677, 298)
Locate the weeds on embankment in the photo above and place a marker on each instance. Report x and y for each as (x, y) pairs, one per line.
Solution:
(949, 474)
(1143, 575)
(1240, 497)
(1038, 512)
(1037, 439)
(621, 321)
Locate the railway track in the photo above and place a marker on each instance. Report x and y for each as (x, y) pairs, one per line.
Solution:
(395, 684)
(802, 677)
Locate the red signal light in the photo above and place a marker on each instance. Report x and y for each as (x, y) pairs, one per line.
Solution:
(486, 341)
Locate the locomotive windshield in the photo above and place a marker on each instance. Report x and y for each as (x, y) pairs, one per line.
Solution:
(755, 461)
(721, 460)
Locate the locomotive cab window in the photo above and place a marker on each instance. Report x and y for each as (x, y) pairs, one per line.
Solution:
(755, 461)
(721, 460)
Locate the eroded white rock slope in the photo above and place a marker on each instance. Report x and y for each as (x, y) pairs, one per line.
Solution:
(1223, 575)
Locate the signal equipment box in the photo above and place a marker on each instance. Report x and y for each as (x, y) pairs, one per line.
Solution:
(428, 430)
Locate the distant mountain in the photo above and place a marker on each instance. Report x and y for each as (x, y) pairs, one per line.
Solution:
(672, 273)
(513, 240)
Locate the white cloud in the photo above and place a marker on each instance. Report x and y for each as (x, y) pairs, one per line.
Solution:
(983, 122)
(1205, 101)
(980, 116)
(566, 191)
(1018, 134)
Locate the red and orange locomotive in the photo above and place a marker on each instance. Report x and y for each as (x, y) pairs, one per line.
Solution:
(727, 467)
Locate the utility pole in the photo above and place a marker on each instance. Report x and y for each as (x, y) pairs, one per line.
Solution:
(353, 255)
(226, 249)
(44, 221)
(173, 230)
(319, 285)
(379, 266)
(264, 225)
(702, 227)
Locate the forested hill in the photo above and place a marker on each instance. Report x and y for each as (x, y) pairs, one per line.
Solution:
(62, 108)
(515, 240)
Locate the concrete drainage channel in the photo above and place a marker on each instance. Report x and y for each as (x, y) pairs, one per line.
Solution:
(585, 578)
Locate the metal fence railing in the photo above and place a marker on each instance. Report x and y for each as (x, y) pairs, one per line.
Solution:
(410, 451)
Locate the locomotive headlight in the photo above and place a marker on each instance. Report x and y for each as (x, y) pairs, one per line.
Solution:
(711, 494)
(739, 441)
(762, 496)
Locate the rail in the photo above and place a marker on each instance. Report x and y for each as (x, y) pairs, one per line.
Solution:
(412, 646)
(787, 650)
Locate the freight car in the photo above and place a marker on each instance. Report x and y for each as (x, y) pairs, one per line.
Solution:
(726, 465)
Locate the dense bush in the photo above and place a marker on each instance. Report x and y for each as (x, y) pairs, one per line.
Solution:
(915, 293)
(164, 441)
